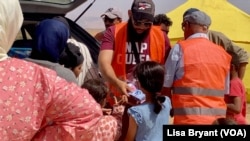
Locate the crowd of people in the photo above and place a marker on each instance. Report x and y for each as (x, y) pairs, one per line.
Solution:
(48, 96)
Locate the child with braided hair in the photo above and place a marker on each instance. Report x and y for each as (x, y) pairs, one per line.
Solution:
(147, 119)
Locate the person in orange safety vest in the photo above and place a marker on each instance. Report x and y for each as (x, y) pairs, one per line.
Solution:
(126, 44)
(197, 74)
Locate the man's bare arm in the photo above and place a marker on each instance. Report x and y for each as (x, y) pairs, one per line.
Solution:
(107, 71)
(242, 69)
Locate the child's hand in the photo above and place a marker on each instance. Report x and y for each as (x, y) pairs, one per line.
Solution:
(123, 100)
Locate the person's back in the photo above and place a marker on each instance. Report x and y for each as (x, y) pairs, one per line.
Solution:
(60, 70)
(33, 90)
(207, 74)
(147, 119)
(239, 55)
(197, 71)
(149, 123)
(50, 41)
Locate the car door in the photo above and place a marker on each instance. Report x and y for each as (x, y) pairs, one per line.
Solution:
(35, 11)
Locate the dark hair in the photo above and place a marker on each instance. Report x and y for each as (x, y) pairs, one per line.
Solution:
(97, 88)
(71, 57)
(150, 74)
(224, 121)
(162, 18)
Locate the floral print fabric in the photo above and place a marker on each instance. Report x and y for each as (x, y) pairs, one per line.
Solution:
(109, 127)
(36, 104)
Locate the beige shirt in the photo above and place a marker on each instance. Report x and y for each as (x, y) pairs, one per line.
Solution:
(239, 55)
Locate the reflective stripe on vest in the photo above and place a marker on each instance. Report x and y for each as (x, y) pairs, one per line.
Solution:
(199, 111)
(198, 96)
(198, 91)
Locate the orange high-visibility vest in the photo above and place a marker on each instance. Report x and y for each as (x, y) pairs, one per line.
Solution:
(198, 97)
(156, 44)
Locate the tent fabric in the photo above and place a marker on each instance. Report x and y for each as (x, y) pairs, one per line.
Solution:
(226, 18)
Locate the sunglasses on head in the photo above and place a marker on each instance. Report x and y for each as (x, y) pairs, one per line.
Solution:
(139, 23)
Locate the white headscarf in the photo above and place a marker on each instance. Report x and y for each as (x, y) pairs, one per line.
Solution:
(11, 19)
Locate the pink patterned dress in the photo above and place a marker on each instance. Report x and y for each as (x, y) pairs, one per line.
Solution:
(36, 104)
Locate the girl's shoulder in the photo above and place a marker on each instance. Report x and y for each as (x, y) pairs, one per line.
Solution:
(140, 106)
(139, 109)
(138, 112)
(167, 102)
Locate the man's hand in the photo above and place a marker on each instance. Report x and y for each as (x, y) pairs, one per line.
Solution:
(123, 87)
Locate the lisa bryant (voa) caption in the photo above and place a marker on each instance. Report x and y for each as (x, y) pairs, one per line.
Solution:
(206, 132)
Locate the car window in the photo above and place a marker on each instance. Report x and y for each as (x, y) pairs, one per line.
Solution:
(23, 35)
(53, 1)
(21, 48)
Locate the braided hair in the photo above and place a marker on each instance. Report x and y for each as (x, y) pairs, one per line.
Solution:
(150, 75)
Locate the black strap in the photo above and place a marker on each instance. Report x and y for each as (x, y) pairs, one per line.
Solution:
(136, 54)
